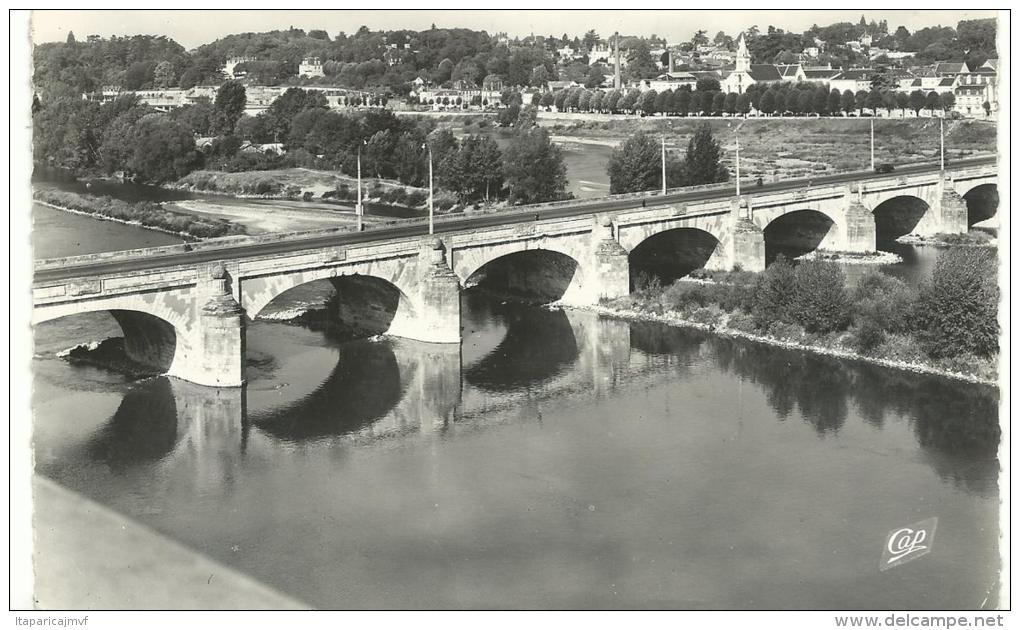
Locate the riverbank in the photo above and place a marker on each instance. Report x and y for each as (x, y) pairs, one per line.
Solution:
(784, 148)
(837, 346)
(972, 238)
(145, 214)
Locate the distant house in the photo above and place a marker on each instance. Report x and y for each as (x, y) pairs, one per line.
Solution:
(493, 83)
(855, 80)
(951, 68)
(311, 67)
(671, 81)
(791, 72)
(561, 85)
(819, 75)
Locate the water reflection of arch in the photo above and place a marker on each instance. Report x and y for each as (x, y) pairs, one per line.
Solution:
(364, 386)
(144, 429)
(539, 346)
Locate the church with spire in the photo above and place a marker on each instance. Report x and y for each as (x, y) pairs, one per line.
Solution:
(746, 73)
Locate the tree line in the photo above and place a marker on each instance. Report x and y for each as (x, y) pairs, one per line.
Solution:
(802, 98)
(129, 137)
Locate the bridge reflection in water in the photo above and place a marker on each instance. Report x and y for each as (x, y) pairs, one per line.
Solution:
(403, 463)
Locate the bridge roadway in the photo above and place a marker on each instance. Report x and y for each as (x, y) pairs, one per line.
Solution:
(521, 214)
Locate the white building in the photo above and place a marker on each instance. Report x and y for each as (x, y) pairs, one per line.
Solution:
(311, 67)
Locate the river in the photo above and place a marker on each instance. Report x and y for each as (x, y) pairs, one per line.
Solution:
(555, 460)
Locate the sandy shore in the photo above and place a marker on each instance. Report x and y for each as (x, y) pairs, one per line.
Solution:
(269, 217)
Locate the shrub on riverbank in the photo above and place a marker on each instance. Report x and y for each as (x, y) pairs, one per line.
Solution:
(146, 213)
(950, 324)
(957, 308)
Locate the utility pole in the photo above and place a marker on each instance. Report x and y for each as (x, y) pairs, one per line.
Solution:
(942, 145)
(664, 164)
(617, 82)
(735, 135)
(872, 144)
(358, 210)
(431, 202)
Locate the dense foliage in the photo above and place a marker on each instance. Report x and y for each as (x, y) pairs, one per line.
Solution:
(957, 309)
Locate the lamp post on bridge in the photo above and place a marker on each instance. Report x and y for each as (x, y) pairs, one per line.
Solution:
(431, 205)
(359, 210)
(872, 144)
(663, 164)
(942, 145)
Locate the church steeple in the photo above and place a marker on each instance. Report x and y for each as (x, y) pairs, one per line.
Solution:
(743, 56)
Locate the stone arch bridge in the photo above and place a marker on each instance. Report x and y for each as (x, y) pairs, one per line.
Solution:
(183, 309)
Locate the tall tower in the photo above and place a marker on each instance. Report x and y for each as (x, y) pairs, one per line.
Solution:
(617, 81)
(743, 57)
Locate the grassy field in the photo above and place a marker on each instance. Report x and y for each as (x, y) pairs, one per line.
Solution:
(797, 147)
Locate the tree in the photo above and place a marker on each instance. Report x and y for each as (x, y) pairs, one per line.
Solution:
(584, 101)
(931, 101)
(228, 107)
(820, 300)
(718, 103)
(682, 102)
(730, 104)
(702, 164)
(629, 101)
(639, 61)
(707, 85)
(560, 100)
(988, 108)
(767, 105)
(70, 38)
(527, 117)
(957, 308)
(163, 150)
(834, 104)
(902, 101)
(533, 168)
(547, 100)
(917, 101)
(947, 100)
(875, 100)
(743, 104)
(773, 294)
(648, 102)
(861, 101)
(164, 75)
(197, 117)
(636, 165)
(805, 101)
(539, 76)
(820, 101)
(847, 101)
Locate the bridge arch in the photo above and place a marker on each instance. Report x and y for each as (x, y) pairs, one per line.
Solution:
(549, 271)
(155, 335)
(674, 253)
(799, 232)
(365, 304)
(898, 215)
(982, 202)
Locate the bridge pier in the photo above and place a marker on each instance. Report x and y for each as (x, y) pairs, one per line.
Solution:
(859, 234)
(212, 353)
(611, 269)
(952, 212)
(437, 307)
(748, 245)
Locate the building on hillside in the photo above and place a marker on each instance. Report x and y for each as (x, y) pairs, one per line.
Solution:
(854, 79)
(560, 85)
(311, 67)
(951, 68)
(820, 75)
(493, 83)
(745, 73)
(791, 72)
(971, 99)
(229, 68)
(670, 81)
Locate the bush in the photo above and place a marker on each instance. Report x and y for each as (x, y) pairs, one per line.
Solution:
(957, 308)
(710, 315)
(773, 294)
(416, 198)
(869, 335)
(786, 331)
(742, 322)
(884, 301)
(820, 300)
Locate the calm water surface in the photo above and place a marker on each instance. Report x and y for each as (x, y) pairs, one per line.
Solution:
(556, 459)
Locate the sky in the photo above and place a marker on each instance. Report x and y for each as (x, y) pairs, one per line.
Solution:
(192, 28)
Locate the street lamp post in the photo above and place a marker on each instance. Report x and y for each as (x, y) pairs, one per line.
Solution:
(664, 164)
(359, 210)
(431, 204)
(872, 144)
(942, 145)
(737, 137)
